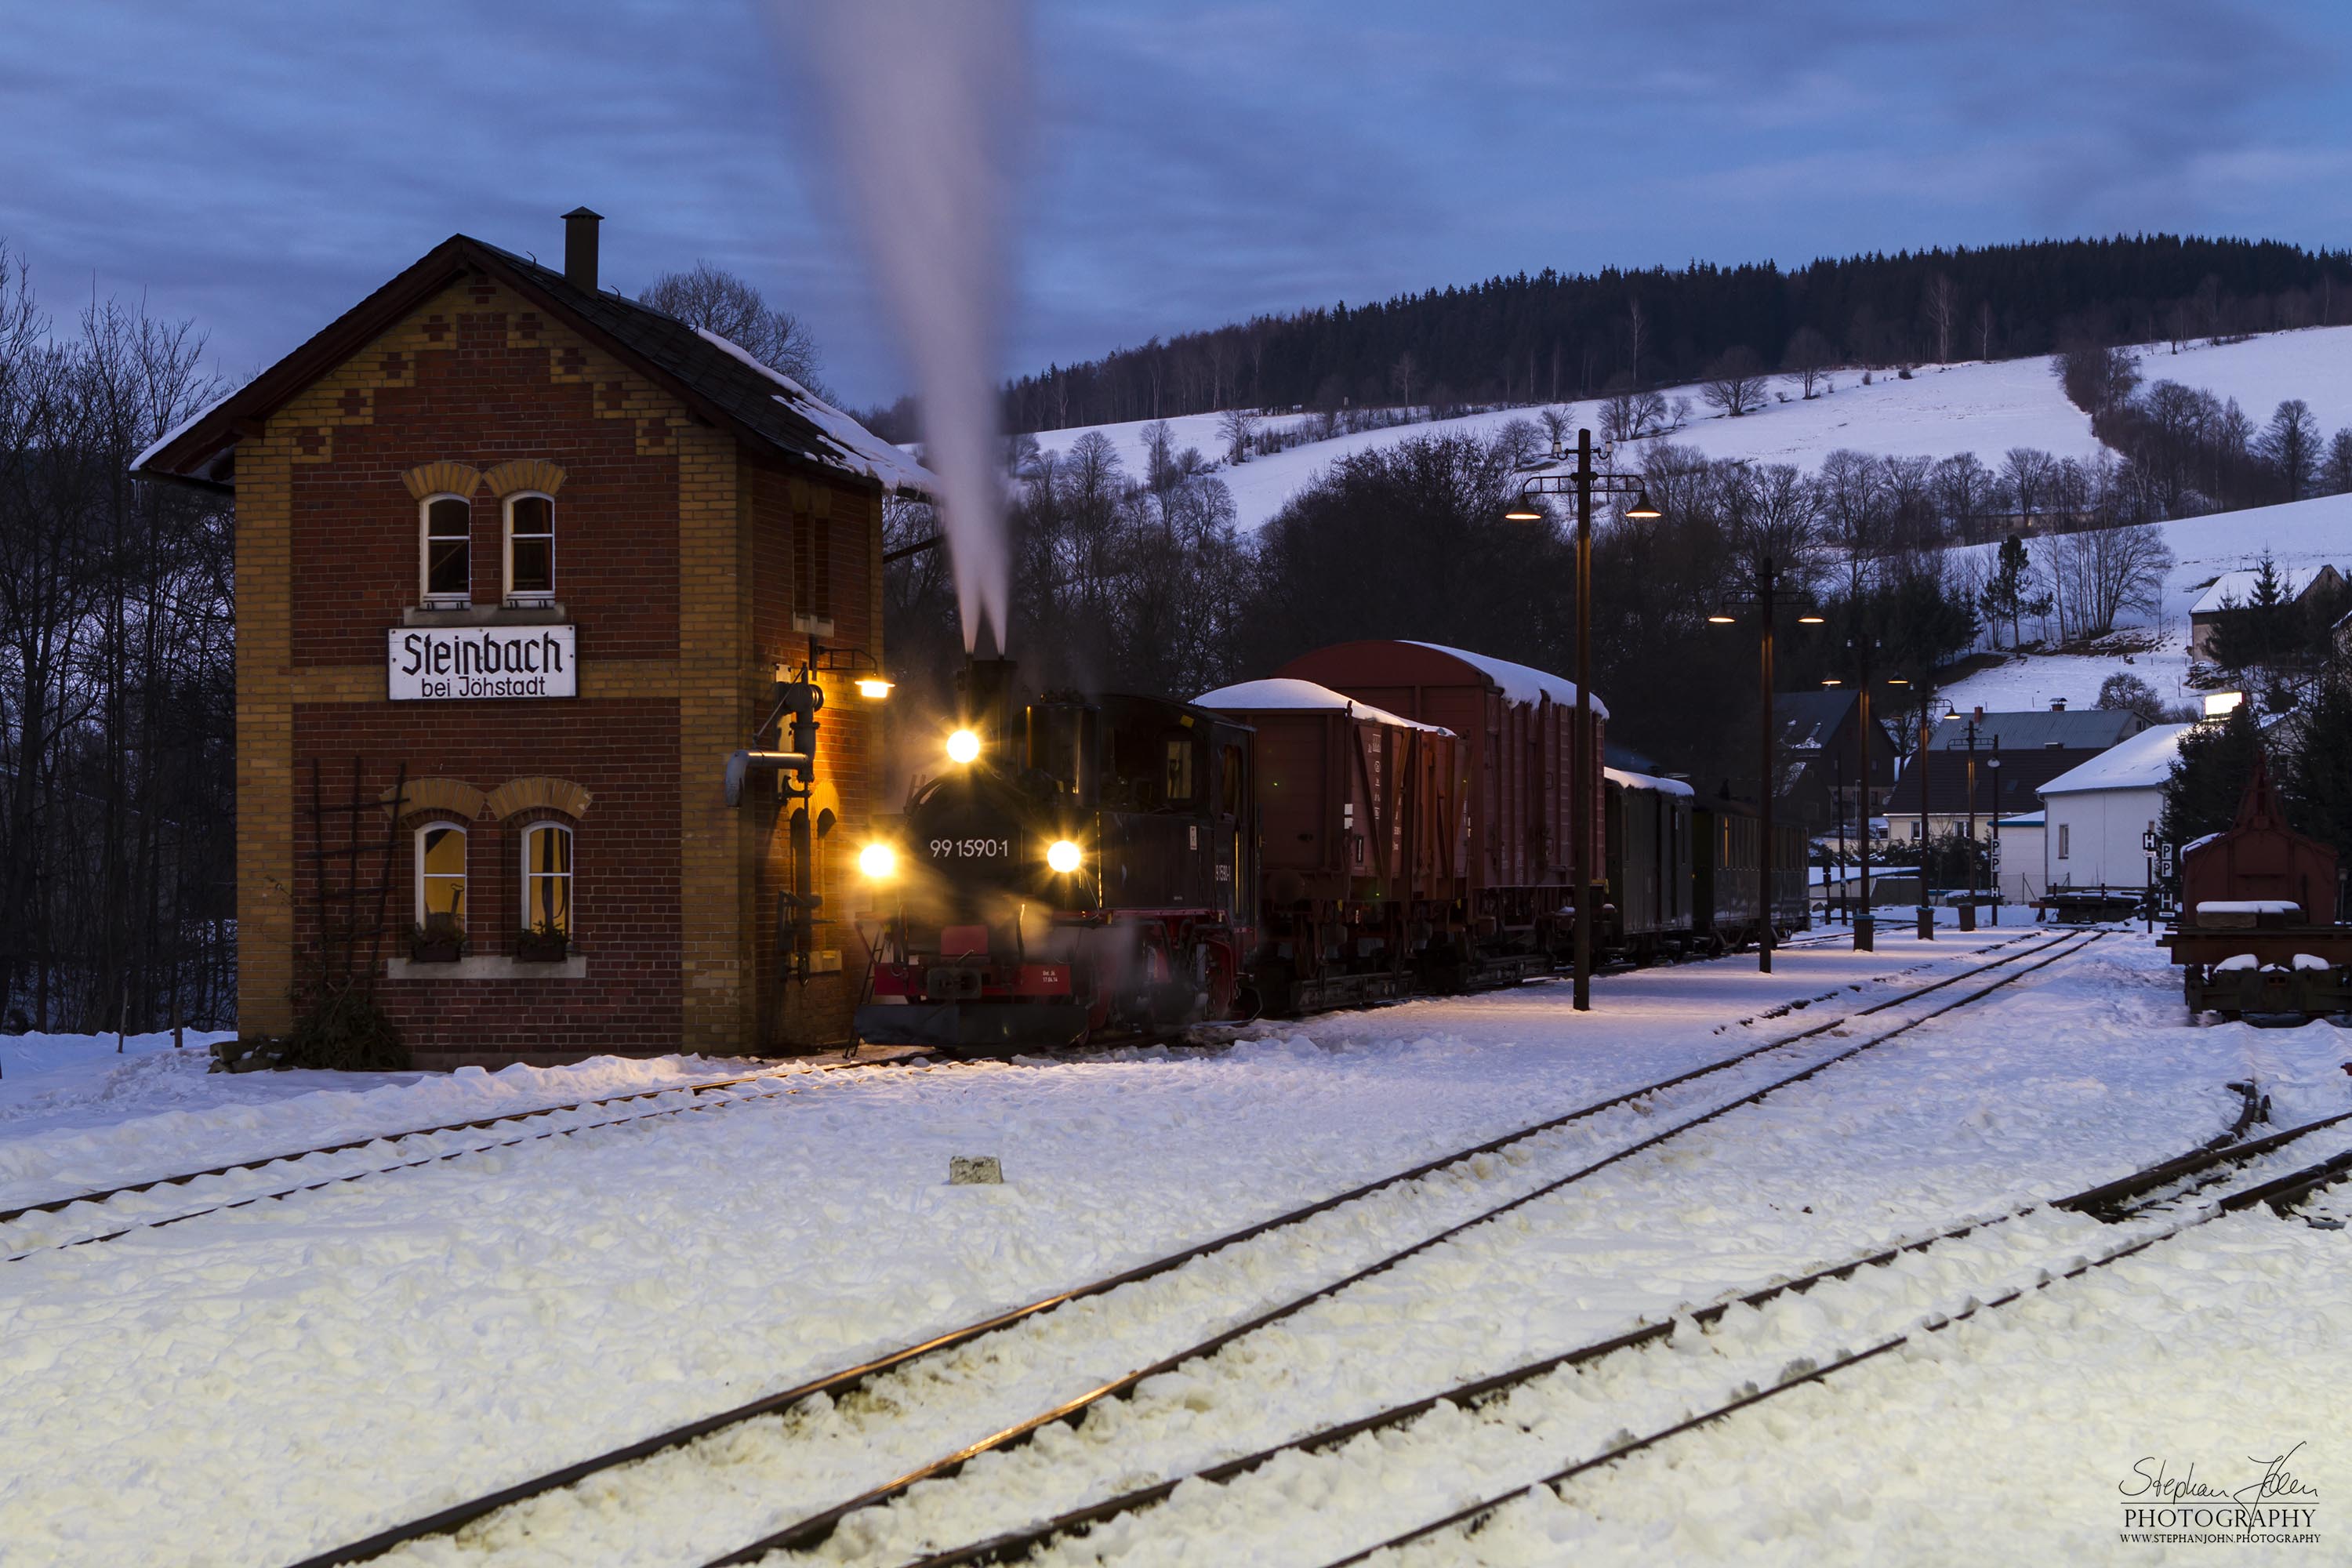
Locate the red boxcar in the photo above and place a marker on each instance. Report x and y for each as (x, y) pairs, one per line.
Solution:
(1363, 851)
(1516, 728)
(2257, 933)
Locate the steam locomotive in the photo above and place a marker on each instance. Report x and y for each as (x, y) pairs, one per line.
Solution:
(1098, 866)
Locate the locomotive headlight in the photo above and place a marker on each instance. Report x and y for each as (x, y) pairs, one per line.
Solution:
(1064, 856)
(963, 747)
(878, 862)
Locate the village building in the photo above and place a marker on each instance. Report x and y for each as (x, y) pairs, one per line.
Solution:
(2233, 592)
(2033, 747)
(1820, 750)
(520, 565)
(2101, 815)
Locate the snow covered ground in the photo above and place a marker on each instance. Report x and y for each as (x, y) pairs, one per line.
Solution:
(2314, 363)
(250, 1385)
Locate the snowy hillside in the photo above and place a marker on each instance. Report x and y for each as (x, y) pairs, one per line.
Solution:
(1981, 408)
(1985, 408)
(2315, 364)
(2302, 534)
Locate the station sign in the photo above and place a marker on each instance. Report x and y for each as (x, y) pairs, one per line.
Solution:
(454, 663)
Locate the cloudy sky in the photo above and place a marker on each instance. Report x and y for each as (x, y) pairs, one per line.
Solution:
(260, 166)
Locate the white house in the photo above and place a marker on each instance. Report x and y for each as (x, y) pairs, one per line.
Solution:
(2021, 878)
(2097, 814)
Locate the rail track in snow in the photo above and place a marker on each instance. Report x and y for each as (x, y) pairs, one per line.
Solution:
(2138, 1195)
(829, 1391)
(99, 1200)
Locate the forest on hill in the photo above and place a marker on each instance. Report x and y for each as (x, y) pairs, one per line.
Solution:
(1553, 336)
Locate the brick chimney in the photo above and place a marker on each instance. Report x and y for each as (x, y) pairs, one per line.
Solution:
(580, 247)
(2057, 704)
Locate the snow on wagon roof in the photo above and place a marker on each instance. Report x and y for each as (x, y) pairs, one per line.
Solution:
(2143, 761)
(1645, 780)
(1282, 692)
(1519, 682)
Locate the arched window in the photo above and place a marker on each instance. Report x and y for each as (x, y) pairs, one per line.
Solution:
(547, 879)
(447, 554)
(441, 876)
(531, 549)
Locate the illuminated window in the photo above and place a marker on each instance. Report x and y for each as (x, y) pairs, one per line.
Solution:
(547, 879)
(531, 550)
(441, 876)
(447, 551)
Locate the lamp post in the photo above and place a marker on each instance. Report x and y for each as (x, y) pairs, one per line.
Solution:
(1866, 929)
(1582, 481)
(1764, 597)
(1837, 812)
(1966, 741)
(1994, 764)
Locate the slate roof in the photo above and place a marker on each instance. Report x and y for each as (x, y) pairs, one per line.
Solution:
(711, 375)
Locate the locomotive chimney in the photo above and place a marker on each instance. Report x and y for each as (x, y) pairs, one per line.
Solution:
(580, 247)
(984, 694)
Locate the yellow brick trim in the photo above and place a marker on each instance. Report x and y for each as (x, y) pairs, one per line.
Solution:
(524, 474)
(267, 885)
(536, 794)
(446, 478)
(453, 797)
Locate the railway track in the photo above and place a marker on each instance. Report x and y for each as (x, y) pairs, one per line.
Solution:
(2138, 1195)
(104, 1197)
(1451, 1177)
(2282, 1193)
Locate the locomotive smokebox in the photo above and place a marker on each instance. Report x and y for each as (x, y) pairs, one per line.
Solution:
(984, 700)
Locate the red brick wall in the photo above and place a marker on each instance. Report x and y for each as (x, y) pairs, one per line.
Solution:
(492, 397)
(625, 864)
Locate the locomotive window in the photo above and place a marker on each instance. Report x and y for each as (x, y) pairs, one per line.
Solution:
(1136, 782)
(1231, 767)
(1181, 753)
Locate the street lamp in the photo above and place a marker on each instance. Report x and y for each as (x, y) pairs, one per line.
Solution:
(1764, 597)
(1582, 481)
(1967, 741)
(1995, 765)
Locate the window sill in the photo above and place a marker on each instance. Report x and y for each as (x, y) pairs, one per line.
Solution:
(486, 616)
(490, 966)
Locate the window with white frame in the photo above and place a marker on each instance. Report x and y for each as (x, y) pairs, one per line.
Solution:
(446, 558)
(441, 876)
(2065, 835)
(531, 549)
(547, 879)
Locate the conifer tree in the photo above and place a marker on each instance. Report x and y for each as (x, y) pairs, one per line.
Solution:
(2210, 776)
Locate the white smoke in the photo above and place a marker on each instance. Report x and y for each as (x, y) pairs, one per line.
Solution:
(923, 102)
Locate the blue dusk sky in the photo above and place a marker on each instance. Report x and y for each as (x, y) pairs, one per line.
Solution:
(260, 166)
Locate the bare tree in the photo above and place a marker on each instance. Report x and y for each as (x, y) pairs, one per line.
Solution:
(1984, 329)
(719, 301)
(1636, 329)
(1735, 382)
(1629, 416)
(1402, 375)
(2290, 443)
(1238, 426)
(2099, 573)
(1558, 424)
(1943, 308)
(1807, 358)
(2335, 473)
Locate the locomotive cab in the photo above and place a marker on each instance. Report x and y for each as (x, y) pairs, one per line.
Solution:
(1084, 867)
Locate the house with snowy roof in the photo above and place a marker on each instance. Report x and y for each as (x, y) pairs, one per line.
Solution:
(2234, 591)
(1944, 787)
(2098, 813)
(517, 562)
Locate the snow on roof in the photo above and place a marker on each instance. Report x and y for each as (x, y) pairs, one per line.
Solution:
(1645, 780)
(2235, 589)
(2026, 819)
(1283, 693)
(2143, 761)
(866, 453)
(1520, 684)
(182, 428)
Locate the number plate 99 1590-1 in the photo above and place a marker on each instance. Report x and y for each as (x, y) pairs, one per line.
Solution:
(971, 849)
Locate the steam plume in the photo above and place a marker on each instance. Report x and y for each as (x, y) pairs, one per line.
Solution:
(922, 102)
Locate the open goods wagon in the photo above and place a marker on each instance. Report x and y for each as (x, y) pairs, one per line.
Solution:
(2250, 939)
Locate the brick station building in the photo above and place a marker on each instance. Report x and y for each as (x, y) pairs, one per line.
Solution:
(545, 550)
